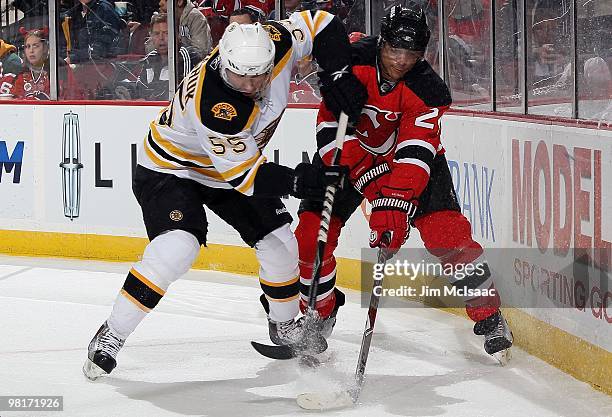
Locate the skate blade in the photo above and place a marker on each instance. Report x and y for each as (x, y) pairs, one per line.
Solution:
(503, 356)
(308, 361)
(92, 371)
(324, 401)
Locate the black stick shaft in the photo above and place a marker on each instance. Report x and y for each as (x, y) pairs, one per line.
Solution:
(326, 217)
(369, 326)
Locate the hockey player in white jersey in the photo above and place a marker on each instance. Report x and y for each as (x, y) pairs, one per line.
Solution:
(205, 149)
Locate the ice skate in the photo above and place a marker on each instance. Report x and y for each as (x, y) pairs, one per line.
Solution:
(498, 336)
(102, 353)
(292, 337)
(326, 326)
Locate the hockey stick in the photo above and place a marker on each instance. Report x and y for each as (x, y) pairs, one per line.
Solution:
(311, 316)
(325, 401)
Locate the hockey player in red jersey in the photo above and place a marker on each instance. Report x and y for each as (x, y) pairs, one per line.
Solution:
(397, 163)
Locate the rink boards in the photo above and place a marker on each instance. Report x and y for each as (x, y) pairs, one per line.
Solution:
(525, 186)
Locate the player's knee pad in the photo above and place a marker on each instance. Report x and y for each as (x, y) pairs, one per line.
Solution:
(447, 234)
(277, 253)
(307, 234)
(168, 257)
(165, 259)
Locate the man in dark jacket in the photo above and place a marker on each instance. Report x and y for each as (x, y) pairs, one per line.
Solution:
(95, 30)
(154, 80)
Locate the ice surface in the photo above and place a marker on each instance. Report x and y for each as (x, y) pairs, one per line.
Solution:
(192, 355)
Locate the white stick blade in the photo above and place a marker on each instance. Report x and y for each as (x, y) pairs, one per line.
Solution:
(324, 401)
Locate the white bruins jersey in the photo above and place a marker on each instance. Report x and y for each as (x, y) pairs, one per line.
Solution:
(215, 135)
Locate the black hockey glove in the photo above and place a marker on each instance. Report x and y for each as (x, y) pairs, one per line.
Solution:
(342, 91)
(310, 181)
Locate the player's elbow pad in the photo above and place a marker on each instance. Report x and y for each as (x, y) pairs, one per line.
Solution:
(331, 47)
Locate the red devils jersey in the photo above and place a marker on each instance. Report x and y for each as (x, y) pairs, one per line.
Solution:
(32, 87)
(8, 74)
(6, 82)
(303, 93)
(225, 7)
(399, 126)
(263, 7)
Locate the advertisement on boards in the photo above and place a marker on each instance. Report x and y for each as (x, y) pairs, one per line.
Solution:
(537, 197)
(17, 168)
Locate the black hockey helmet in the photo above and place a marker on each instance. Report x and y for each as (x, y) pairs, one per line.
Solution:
(405, 27)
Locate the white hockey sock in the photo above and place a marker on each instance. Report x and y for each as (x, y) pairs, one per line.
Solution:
(125, 317)
(277, 253)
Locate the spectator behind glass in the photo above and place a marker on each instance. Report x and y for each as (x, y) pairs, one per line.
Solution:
(193, 26)
(10, 66)
(135, 33)
(550, 43)
(33, 82)
(143, 10)
(95, 31)
(34, 12)
(291, 6)
(595, 47)
(260, 9)
(242, 17)
(218, 13)
(154, 79)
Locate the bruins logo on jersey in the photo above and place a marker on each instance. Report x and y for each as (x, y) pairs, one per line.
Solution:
(224, 111)
(274, 33)
(176, 215)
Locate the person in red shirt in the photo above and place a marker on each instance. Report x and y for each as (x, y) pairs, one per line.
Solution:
(262, 8)
(33, 82)
(10, 66)
(397, 163)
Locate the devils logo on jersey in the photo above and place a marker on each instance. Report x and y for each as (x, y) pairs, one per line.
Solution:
(377, 129)
(225, 7)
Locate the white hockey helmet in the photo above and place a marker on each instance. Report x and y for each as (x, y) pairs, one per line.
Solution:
(246, 50)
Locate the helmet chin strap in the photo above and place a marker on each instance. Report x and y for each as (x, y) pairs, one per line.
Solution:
(260, 96)
(384, 85)
(379, 65)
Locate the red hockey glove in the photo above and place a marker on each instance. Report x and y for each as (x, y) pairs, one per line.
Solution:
(391, 213)
(369, 175)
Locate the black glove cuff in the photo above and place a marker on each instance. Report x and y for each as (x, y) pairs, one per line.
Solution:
(273, 180)
(342, 91)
